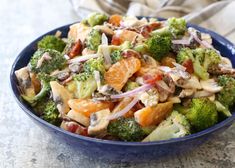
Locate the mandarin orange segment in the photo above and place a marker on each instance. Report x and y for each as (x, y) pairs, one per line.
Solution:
(121, 36)
(120, 72)
(153, 115)
(115, 20)
(88, 106)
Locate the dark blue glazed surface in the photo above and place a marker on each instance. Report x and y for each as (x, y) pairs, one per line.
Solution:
(123, 151)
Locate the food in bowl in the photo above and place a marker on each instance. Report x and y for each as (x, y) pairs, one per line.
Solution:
(128, 79)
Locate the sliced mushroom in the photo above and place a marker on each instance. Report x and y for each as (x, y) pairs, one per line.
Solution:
(75, 67)
(210, 85)
(222, 69)
(99, 123)
(202, 93)
(79, 117)
(186, 93)
(61, 97)
(61, 75)
(24, 81)
(192, 83)
(104, 29)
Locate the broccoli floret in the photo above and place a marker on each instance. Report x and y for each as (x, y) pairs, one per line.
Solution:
(141, 48)
(52, 42)
(130, 85)
(222, 110)
(184, 55)
(47, 110)
(199, 70)
(162, 32)
(158, 46)
(202, 59)
(69, 45)
(127, 129)
(96, 19)
(211, 59)
(199, 54)
(227, 95)
(85, 85)
(175, 126)
(177, 26)
(48, 65)
(51, 113)
(116, 55)
(93, 40)
(181, 109)
(202, 114)
(94, 64)
(45, 89)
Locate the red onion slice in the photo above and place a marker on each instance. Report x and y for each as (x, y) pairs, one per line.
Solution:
(132, 92)
(202, 42)
(83, 58)
(124, 110)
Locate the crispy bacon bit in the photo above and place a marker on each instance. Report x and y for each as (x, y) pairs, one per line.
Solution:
(74, 127)
(76, 49)
(151, 79)
(147, 29)
(155, 25)
(188, 64)
(116, 40)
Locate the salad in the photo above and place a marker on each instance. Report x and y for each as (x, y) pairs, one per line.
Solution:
(129, 79)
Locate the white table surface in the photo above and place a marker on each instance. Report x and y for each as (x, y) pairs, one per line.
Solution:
(23, 144)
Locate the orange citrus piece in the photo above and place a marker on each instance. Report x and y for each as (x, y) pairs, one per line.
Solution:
(115, 20)
(153, 115)
(88, 106)
(120, 72)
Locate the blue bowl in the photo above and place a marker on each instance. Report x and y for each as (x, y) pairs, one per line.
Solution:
(116, 151)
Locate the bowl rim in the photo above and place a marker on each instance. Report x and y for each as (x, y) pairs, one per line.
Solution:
(111, 142)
